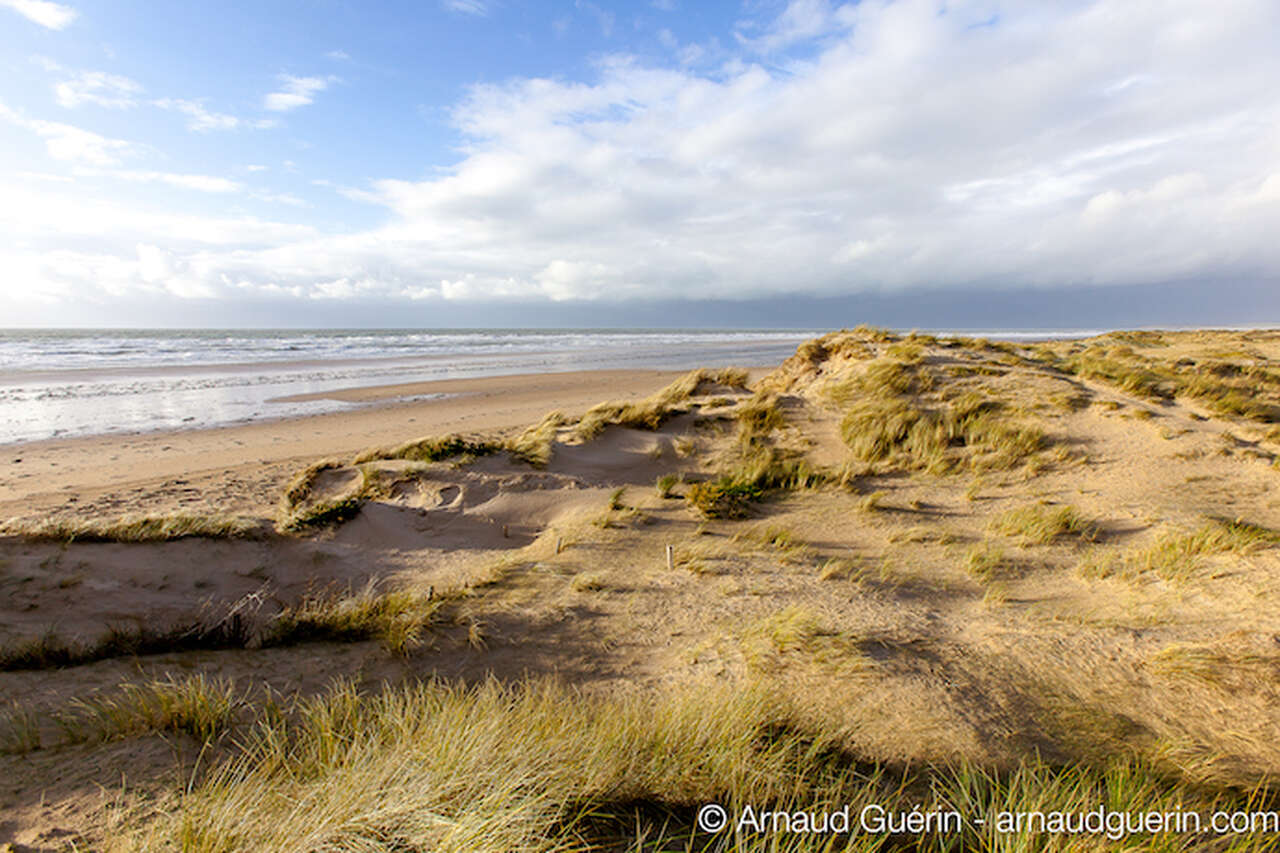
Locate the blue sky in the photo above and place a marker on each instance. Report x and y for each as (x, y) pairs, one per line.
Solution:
(478, 161)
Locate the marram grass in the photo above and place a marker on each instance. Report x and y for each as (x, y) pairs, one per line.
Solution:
(540, 767)
(137, 528)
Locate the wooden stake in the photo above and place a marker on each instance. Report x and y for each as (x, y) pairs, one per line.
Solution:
(671, 557)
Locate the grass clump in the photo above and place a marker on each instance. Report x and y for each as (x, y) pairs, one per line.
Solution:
(142, 528)
(1177, 556)
(986, 563)
(653, 411)
(300, 487)
(1121, 367)
(873, 502)
(197, 706)
(534, 445)
(323, 513)
(396, 618)
(967, 432)
(1041, 525)
(725, 497)
(587, 582)
(50, 651)
(666, 485)
(433, 449)
(19, 731)
(758, 417)
(1216, 665)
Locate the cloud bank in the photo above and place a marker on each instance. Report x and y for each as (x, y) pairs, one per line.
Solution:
(878, 147)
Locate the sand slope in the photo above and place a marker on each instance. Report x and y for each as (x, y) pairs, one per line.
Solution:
(930, 602)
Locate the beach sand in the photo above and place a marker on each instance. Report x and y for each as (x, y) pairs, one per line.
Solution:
(1075, 557)
(242, 467)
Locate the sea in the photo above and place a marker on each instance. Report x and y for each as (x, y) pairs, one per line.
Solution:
(63, 383)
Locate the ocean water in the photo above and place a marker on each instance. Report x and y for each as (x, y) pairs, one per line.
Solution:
(64, 383)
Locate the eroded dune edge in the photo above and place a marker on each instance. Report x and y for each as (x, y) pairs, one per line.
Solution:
(897, 570)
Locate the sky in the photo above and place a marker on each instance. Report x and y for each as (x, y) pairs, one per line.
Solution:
(975, 164)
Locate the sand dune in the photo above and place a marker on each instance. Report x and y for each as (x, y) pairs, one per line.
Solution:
(933, 551)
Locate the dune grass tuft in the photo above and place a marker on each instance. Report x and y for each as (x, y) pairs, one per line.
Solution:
(299, 488)
(653, 411)
(50, 650)
(1041, 525)
(987, 563)
(970, 432)
(323, 513)
(433, 449)
(200, 707)
(1178, 555)
(138, 528)
(534, 445)
(723, 498)
(396, 618)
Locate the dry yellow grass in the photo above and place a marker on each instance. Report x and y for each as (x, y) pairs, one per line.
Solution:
(144, 528)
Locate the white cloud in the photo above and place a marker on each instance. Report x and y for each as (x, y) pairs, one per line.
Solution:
(198, 118)
(339, 55)
(888, 148)
(200, 183)
(478, 8)
(279, 198)
(54, 16)
(800, 21)
(69, 143)
(97, 87)
(296, 92)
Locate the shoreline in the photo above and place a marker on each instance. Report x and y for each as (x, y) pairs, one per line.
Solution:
(92, 472)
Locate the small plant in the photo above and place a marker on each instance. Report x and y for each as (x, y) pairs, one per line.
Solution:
(974, 489)
(299, 488)
(996, 595)
(323, 514)
(1177, 556)
(758, 417)
(873, 502)
(534, 445)
(835, 569)
(19, 731)
(723, 498)
(615, 498)
(986, 563)
(1098, 563)
(197, 706)
(587, 582)
(433, 449)
(1041, 525)
(666, 485)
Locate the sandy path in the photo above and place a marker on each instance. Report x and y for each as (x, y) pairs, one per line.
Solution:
(244, 462)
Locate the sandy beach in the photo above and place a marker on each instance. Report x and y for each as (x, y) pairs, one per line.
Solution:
(242, 466)
(945, 557)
